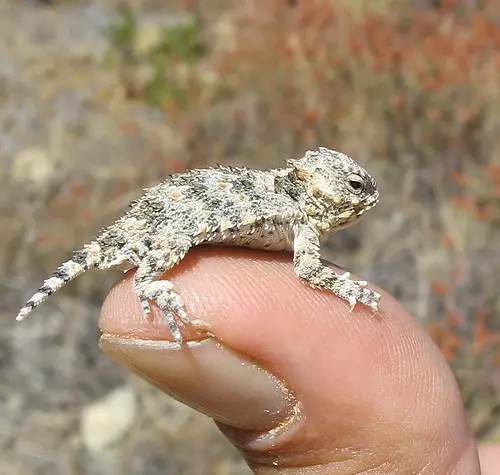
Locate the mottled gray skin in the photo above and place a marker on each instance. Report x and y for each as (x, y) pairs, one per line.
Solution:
(292, 208)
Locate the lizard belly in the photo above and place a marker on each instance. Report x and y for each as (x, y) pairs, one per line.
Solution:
(261, 238)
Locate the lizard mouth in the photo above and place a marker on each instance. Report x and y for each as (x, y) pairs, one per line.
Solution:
(355, 212)
(369, 204)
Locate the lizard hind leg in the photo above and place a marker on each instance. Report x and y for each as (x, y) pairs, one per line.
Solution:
(149, 289)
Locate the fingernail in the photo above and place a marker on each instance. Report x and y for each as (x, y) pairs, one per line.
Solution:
(209, 377)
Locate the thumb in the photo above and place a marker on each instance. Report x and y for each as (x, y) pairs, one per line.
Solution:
(295, 381)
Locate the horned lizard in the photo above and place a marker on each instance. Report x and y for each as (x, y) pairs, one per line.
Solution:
(293, 208)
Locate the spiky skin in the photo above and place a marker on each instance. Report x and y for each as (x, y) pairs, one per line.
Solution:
(291, 209)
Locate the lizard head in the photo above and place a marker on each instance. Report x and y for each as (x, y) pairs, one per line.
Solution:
(339, 189)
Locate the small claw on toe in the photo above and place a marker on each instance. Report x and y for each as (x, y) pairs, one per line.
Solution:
(362, 283)
(345, 276)
(183, 317)
(178, 340)
(352, 304)
(176, 334)
(372, 302)
(146, 308)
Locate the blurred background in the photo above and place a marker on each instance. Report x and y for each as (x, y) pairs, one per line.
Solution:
(101, 98)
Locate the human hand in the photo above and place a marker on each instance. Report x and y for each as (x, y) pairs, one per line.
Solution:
(295, 381)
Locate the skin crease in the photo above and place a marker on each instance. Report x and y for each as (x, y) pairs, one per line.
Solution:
(374, 393)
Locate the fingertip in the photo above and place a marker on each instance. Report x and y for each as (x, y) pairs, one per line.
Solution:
(369, 381)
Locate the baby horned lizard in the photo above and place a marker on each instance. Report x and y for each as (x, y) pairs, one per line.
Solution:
(292, 208)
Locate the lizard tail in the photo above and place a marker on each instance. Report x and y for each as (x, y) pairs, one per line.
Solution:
(81, 262)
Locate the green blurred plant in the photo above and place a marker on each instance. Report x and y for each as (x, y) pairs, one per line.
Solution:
(177, 44)
(123, 33)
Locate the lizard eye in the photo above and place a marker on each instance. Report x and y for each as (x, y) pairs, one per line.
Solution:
(356, 183)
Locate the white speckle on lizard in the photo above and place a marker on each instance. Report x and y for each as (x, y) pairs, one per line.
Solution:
(293, 208)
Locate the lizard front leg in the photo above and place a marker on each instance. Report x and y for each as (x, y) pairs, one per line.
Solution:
(308, 265)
